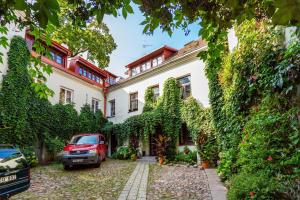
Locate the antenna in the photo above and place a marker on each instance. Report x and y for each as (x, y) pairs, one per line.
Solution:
(146, 45)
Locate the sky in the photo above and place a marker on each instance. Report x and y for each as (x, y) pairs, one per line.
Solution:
(129, 37)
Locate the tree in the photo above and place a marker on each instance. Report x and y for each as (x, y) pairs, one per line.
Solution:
(84, 38)
(15, 95)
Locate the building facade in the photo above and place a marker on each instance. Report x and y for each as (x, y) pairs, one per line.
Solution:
(78, 81)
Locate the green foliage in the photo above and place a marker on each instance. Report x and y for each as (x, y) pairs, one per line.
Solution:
(84, 38)
(171, 121)
(15, 96)
(30, 155)
(64, 121)
(273, 161)
(86, 119)
(149, 100)
(122, 153)
(214, 14)
(199, 123)
(190, 158)
(254, 111)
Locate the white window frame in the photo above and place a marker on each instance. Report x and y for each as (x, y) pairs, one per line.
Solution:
(65, 98)
(184, 86)
(134, 103)
(112, 108)
(94, 106)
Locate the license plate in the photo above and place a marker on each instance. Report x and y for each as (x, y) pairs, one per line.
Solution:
(6, 179)
(77, 160)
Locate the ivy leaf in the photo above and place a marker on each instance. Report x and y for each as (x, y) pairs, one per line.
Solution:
(124, 12)
(20, 5)
(129, 9)
(146, 28)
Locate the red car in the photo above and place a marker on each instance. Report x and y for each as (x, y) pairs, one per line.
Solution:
(84, 149)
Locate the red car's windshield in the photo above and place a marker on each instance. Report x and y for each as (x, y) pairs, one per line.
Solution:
(84, 139)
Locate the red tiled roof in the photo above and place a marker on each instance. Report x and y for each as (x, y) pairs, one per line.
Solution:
(151, 55)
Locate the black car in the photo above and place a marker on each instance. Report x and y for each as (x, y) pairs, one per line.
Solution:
(14, 172)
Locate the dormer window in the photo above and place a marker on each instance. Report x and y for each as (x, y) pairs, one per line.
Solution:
(56, 57)
(135, 71)
(157, 61)
(146, 66)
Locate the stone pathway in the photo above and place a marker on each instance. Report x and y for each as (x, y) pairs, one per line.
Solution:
(217, 189)
(136, 186)
(177, 182)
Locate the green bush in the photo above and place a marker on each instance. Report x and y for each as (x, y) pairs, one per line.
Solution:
(190, 158)
(122, 153)
(30, 155)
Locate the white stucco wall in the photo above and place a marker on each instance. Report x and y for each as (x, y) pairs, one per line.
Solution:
(199, 87)
(83, 92)
(12, 31)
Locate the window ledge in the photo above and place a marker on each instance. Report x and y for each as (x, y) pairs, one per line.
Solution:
(130, 111)
(110, 116)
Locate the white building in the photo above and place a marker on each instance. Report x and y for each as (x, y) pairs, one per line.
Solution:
(80, 82)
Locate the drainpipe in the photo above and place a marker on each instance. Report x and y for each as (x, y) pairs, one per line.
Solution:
(105, 100)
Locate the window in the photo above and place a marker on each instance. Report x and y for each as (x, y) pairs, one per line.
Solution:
(155, 90)
(159, 60)
(56, 57)
(156, 61)
(65, 96)
(146, 66)
(112, 108)
(133, 102)
(143, 67)
(95, 105)
(111, 80)
(135, 71)
(185, 84)
(80, 71)
(84, 72)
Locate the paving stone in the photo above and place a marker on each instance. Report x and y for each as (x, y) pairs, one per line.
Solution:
(136, 185)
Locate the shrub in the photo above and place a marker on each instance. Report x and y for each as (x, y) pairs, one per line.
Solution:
(122, 153)
(30, 155)
(190, 158)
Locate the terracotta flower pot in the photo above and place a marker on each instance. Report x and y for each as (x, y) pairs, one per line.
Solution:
(161, 160)
(205, 164)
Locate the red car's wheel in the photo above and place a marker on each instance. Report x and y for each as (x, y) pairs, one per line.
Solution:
(97, 165)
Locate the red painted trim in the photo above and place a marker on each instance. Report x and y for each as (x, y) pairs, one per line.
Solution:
(163, 50)
(73, 66)
(60, 67)
(54, 44)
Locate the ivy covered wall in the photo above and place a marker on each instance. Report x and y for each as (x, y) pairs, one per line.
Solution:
(254, 110)
(31, 123)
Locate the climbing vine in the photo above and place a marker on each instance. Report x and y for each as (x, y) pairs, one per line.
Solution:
(254, 111)
(15, 95)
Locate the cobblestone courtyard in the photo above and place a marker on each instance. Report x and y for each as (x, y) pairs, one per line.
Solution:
(122, 180)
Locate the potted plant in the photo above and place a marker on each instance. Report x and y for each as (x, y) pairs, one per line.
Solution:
(205, 159)
(133, 157)
(186, 150)
(162, 143)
